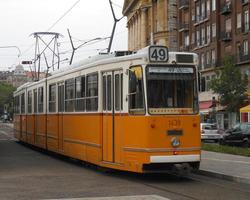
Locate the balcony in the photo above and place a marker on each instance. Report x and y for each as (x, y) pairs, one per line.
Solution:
(183, 26)
(184, 4)
(245, 2)
(226, 36)
(227, 8)
(200, 19)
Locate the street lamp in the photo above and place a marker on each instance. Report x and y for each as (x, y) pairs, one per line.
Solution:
(16, 47)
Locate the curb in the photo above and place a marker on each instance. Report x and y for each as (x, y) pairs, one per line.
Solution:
(223, 176)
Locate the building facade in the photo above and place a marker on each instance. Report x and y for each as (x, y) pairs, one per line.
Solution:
(151, 22)
(214, 29)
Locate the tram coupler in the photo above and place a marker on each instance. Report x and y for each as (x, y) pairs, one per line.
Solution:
(182, 169)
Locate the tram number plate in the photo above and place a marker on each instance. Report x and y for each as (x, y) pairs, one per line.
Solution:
(175, 132)
(158, 54)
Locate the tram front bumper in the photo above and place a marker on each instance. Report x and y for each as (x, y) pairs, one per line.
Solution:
(175, 159)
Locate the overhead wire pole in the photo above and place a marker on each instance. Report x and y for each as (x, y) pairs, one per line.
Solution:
(75, 48)
(114, 26)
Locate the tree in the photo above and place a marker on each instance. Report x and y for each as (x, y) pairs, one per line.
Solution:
(230, 85)
(6, 95)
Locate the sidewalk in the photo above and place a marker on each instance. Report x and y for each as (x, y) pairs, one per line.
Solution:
(226, 166)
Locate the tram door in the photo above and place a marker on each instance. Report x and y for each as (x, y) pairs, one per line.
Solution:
(112, 107)
(60, 115)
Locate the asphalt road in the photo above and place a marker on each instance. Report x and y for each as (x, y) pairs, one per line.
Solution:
(27, 173)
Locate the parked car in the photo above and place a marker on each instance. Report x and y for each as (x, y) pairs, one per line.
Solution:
(209, 132)
(239, 135)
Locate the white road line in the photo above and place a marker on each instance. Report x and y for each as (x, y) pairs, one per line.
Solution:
(231, 161)
(137, 197)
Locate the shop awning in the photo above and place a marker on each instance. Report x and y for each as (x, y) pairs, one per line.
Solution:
(245, 109)
(205, 105)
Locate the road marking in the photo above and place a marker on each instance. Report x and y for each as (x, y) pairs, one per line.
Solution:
(235, 161)
(137, 197)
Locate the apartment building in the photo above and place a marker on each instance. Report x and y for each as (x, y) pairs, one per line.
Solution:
(151, 22)
(214, 29)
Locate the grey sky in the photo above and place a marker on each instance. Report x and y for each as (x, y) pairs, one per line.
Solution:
(87, 20)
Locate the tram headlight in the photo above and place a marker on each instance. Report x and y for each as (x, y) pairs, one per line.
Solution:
(175, 142)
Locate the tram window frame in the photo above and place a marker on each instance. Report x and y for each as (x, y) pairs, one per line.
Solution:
(69, 97)
(22, 103)
(92, 92)
(35, 100)
(80, 93)
(131, 94)
(52, 98)
(29, 102)
(40, 99)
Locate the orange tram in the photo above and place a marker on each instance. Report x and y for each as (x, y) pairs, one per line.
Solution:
(136, 112)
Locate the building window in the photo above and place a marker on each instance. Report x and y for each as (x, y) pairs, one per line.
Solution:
(186, 40)
(52, 98)
(203, 11)
(197, 13)
(207, 83)
(245, 47)
(198, 38)
(238, 21)
(213, 30)
(69, 95)
(193, 38)
(203, 38)
(92, 92)
(29, 101)
(213, 58)
(213, 5)
(208, 57)
(228, 25)
(208, 7)
(80, 94)
(40, 100)
(246, 20)
(208, 34)
(202, 61)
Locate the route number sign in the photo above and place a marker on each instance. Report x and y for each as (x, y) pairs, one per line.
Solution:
(158, 54)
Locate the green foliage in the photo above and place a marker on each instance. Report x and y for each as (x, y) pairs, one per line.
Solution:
(231, 86)
(6, 94)
(226, 149)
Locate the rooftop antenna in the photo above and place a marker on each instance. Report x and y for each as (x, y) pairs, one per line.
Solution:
(114, 26)
(50, 45)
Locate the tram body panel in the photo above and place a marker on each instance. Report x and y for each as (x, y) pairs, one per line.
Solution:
(30, 129)
(17, 126)
(24, 128)
(40, 131)
(52, 132)
(82, 136)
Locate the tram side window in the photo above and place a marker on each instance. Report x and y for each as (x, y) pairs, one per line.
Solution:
(23, 103)
(92, 92)
(52, 98)
(17, 104)
(118, 91)
(80, 94)
(136, 93)
(69, 95)
(35, 100)
(29, 101)
(40, 99)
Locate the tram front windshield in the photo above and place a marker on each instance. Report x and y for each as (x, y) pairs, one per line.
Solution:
(171, 89)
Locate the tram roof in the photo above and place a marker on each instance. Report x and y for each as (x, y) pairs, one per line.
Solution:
(101, 59)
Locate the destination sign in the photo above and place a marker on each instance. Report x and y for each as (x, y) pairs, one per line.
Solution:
(173, 70)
